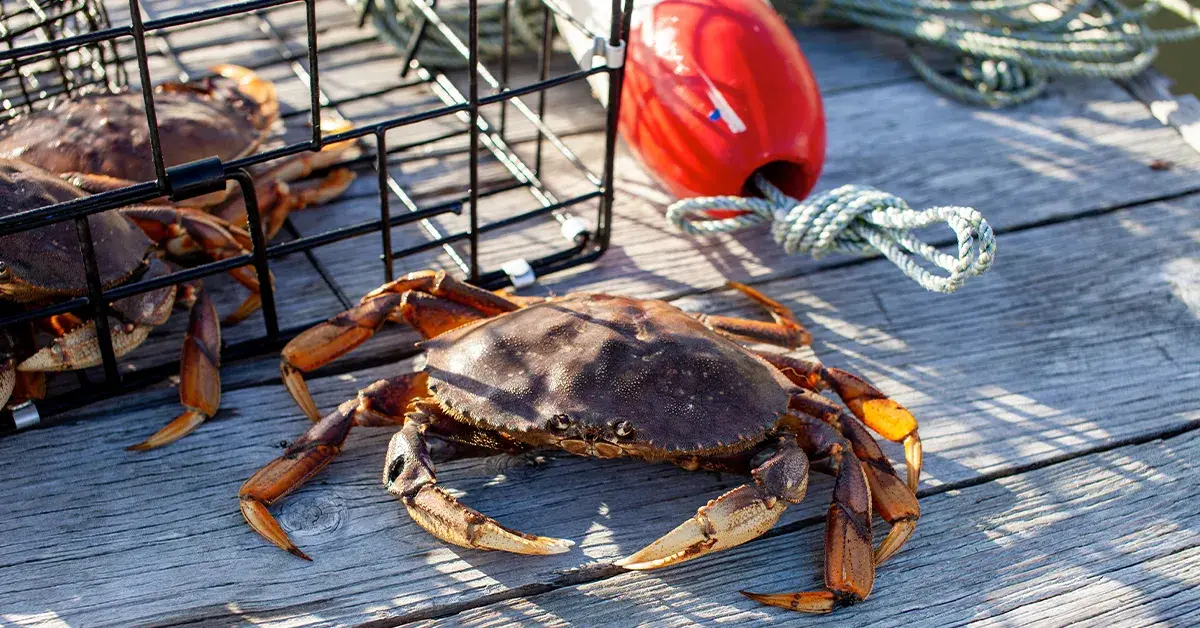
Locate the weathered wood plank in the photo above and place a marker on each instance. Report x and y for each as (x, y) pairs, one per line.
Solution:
(1048, 160)
(1179, 111)
(842, 59)
(1052, 159)
(1107, 539)
(999, 382)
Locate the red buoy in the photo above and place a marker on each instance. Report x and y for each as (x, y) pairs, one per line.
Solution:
(716, 90)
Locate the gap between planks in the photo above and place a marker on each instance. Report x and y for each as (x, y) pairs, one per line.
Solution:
(1058, 519)
(686, 266)
(981, 413)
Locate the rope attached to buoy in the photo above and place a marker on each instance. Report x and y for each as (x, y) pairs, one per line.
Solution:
(852, 219)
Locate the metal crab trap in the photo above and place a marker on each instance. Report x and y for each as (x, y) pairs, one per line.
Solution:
(467, 171)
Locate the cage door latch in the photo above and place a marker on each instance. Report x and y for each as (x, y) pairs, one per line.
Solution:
(26, 415)
(196, 178)
(519, 272)
(614, 56)
(575, 228)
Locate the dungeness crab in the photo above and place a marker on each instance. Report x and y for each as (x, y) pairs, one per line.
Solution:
(102, 142)
(606, 376)
(43, 265)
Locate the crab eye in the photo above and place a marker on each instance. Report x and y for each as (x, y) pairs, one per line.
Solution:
(560, 422)
(4, 272)
(623, 429)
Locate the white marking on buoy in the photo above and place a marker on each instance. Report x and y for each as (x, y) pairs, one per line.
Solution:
(724, 111)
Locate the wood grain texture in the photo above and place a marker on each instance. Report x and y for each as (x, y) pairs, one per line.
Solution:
(1047, 161)
(1082, 351)
(1180, 111)
(1109, 539)
(1084, 337)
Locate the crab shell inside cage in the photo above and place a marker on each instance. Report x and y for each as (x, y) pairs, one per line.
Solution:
(714, 92)
(101, 142)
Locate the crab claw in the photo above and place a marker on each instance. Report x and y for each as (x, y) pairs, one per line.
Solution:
(738, 516)
(409, 475)
(807, 602)
(79, 349)
(444, 517)
(8, 381)
(882, 414)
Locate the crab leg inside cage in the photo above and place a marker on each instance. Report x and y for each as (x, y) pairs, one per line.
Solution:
(588, 241)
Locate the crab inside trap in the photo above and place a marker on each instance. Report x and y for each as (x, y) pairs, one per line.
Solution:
(540, 191)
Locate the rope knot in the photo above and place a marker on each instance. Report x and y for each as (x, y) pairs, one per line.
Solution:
(851, 219)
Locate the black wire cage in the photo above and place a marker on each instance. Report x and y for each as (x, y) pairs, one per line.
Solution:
(57, 49)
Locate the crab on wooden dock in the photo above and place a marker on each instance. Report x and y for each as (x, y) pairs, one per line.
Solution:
(102, 142)
(608, 377)
(42, 265)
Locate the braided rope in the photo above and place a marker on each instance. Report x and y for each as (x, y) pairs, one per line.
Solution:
(852, 219)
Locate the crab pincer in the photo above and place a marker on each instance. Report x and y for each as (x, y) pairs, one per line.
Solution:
(42, 265)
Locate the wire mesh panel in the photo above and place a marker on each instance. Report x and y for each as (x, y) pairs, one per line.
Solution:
(61, 70)
(468, 171)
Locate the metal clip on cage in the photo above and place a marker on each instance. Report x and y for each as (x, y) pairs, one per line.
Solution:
(87, 58)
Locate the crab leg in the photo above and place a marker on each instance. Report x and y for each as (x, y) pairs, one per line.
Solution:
(186, 231)
(890, 497)
(94, 183)
(887, 417)
(199, 375)
(277, 196)
(409, 475)
(17, 387)
(382, 403)
(285, 198)
(785, 331)
(8, 367)
(738, 516)
(849, 566)
(432, 302)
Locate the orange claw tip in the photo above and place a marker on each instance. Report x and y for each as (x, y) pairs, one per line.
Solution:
(811, 602)
(259, 518)
(892, 420)
(914, 458)
(895, 539)
(181, 426)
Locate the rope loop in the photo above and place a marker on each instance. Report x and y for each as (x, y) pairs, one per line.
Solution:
(853, 219)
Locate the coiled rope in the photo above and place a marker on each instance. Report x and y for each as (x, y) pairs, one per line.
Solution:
(1007, 50)
(852, 219)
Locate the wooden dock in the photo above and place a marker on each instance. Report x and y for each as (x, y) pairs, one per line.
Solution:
(1058, 395)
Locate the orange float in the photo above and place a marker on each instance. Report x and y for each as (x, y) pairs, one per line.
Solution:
(716, 90)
